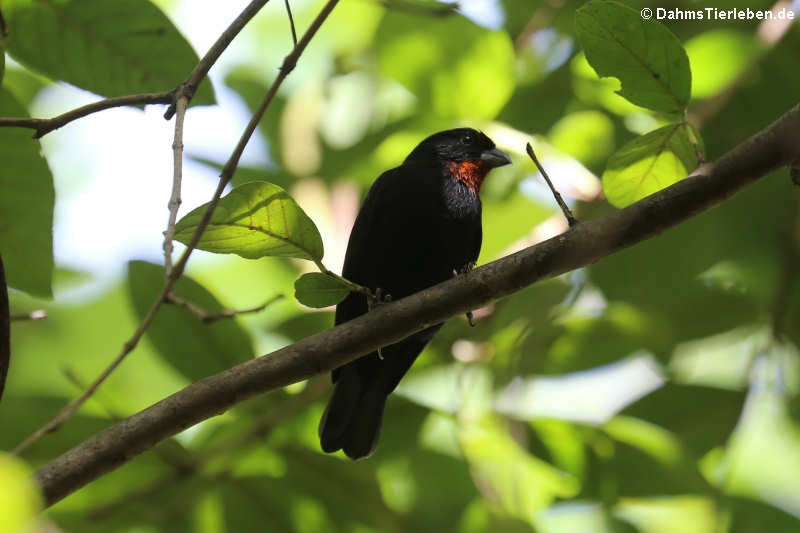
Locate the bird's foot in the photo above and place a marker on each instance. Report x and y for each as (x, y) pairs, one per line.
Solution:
(377, 300)
(463, 270)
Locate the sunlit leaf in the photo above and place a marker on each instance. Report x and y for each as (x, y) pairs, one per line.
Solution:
(23, 84)
(319, 290)
(27, 198)
(579, 517)
(448, 51)
(516, 480)
(20, 500)
(109, 48)
(195, 349)
(717, 57)
(588, 136)
(255, 220)
(648, 164)
(764, 452)
(644, 55)
(676, 514)
(748, 516)
(701, 417)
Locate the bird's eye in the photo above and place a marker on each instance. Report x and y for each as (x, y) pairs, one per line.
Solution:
(467, 138)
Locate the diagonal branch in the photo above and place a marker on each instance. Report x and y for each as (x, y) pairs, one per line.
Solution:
(43, 126)
(189, 86)
(774, 147)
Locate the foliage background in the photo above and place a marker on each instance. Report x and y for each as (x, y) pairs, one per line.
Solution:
(645, 393)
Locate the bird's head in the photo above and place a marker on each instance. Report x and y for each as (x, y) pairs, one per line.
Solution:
(467, 154)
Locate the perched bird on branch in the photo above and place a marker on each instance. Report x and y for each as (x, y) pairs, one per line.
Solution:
(420, 224)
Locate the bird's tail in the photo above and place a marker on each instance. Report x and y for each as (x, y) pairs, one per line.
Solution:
(352, 420)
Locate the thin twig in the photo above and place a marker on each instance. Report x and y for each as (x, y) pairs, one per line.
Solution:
(354, 287)
(288, 65)
(227, 173)
(291, 22)
(43, 126)
(189, 86)
(38, 314)
(169, 458)
(207, 317)
(54, 423)
(564, 209)
(256, 433)
(177, 176)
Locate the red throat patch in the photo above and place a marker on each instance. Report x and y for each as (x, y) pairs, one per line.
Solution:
(470, 173)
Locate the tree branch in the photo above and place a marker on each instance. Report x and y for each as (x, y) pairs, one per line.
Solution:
(177, 177)
(186, 89)
(775, 146)
(43, 126)
(189, 86)
(207, 318)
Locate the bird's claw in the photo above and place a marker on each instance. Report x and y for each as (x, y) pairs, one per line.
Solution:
(469, 319)
(463, 270)
(378, 299)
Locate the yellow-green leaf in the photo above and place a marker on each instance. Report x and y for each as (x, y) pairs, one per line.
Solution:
(318, 290)
(648, 164)
(20, 500)
(255, 220)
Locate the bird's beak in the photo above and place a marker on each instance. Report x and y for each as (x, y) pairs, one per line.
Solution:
(495, 157)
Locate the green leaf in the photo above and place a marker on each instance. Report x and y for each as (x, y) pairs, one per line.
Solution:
(193, 348)
(255, 220)
(21, 501)
(749, 516)
(701, 417)
(718, 56)
(23, 84)
(520, 483)
(448, 53)
(108, 48)
(319, 290)
(26, 206)
(644, 55)
(648, 164)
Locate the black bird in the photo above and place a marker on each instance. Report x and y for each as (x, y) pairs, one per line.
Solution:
(420, 224)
